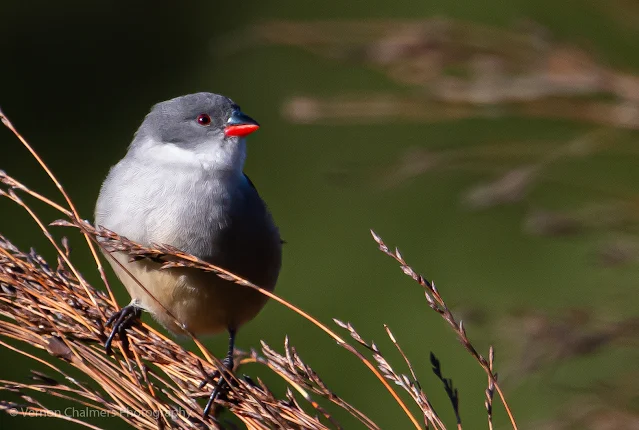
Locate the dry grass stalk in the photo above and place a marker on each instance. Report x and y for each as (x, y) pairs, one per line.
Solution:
(490, 391)
(436, 303)
(452, 393)
(154, 383)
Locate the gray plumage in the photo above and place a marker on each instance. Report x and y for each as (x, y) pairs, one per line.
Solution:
(182, 184)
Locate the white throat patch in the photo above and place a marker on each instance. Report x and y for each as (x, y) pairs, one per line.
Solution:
(208, 155)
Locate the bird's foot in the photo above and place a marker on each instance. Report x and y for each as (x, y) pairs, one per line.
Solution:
(121, 320)
(221, 388)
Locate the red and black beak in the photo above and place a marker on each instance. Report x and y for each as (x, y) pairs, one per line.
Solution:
(240, 124)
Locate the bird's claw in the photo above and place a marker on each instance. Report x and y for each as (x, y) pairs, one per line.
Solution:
(222, 387)
(121, 320)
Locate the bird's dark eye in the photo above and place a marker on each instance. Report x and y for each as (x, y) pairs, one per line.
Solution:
(204, 119)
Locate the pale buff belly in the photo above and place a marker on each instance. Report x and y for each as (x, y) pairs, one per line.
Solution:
(201, 302)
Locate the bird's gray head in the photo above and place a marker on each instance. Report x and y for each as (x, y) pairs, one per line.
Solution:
(202, 129)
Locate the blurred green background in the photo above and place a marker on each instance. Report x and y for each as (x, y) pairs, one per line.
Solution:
(495, 143)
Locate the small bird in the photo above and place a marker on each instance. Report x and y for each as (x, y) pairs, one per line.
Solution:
(182, 184)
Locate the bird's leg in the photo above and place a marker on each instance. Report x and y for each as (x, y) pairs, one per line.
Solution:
(121, 320)
(222, 386)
